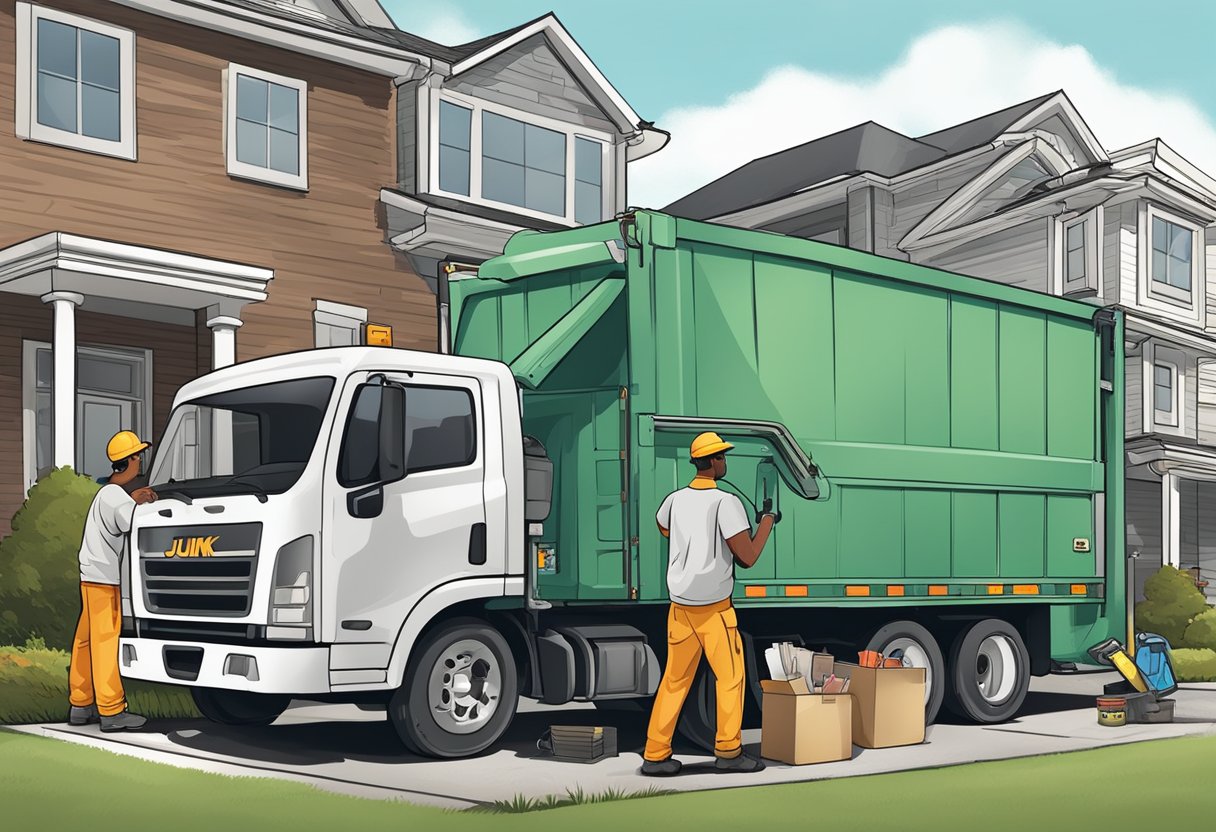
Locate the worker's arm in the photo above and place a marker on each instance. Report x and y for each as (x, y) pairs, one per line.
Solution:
(663, 517)
(664, 531)
(747, 548)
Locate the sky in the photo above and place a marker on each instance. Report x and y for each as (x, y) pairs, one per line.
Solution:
(735, 81)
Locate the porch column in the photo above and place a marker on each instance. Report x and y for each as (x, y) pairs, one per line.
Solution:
(223, 340)
(63, 389)
(1171, 515)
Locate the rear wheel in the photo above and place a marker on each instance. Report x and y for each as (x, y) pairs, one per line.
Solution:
(698, 721)
(989, 672)
(460, 691)
(921, 650)
(239, 707)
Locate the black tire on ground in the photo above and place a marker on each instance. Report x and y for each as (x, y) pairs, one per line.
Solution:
(459, 673)
(919, 644)
(238, 707)
(989, 672)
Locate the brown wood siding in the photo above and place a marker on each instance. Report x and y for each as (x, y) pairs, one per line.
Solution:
(327, 243)
(175, 360)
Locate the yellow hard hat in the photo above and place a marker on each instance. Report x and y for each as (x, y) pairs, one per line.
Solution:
(708, 444)
(124, 444)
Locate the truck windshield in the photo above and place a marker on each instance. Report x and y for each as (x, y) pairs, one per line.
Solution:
(255, 440)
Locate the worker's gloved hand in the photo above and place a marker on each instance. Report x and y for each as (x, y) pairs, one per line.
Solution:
(767, 508)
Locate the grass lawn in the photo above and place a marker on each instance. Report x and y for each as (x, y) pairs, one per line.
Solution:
(48, 784)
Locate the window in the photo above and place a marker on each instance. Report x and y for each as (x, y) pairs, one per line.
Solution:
(75, 82)
(523, 163)
(267, 127)
(1078, 252)
(1171, 263)
(1165, 393)
(1164, 410)
(337, 325)
(439, 427)
(1074, 252)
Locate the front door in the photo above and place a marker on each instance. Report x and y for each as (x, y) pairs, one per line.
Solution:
(431, 527)
(98, 418)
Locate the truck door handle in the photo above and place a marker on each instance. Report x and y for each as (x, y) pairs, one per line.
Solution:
(477, 544)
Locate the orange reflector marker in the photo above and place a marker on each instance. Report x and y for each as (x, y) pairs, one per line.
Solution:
(856, 591)
(1079, 589)
(895, 590)
(938, 589)
(996, 589)
(755, 591)
(1025, 589)
(796, 591)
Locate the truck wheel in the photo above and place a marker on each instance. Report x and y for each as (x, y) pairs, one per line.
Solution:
(989, 672)
(459, 693)
(921, 650)
(698, 721)
(239, 707)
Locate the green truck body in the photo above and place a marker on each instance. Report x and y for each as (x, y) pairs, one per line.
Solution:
(965, 436)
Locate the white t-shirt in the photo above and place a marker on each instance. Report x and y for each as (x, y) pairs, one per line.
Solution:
(700, 566)
(105, 535)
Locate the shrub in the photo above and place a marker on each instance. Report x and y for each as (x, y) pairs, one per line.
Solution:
(1202, 631)
(1171, 604)
(1194, 665)
(39, 566)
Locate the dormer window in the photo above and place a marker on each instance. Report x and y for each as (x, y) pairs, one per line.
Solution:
(1173, 250)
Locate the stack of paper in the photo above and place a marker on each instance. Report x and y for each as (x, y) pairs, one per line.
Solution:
(786, 662)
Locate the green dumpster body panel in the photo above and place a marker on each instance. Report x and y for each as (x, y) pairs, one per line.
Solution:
(960, 429)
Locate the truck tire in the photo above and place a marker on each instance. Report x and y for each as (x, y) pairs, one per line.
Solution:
(460, 691)
(698, 722)
(239, 707)
(922, 650)
(989, 672)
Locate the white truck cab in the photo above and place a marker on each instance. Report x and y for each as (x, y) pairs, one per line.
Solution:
(319, 513)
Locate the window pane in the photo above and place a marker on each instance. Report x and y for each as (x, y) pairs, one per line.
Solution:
(1163, 388)
(1161, 234)
(545, 150)
(502, 138)
(1159, 266)
(57, 48)
(502, 181)
(1180, 242)
(454, 170)
(99, 60)
(546, 192)
(1076, 264)
(251, 143)
(454, 125)
(1179, 273)
(588, 203)
(440, 431)
(1162, 375)
(56, 102)
(105, 376)
(251, 99)
(45, 368)
(43, 433)
(284, 151)
(589, 161)
(100, 113)
(1076, 236)
(1165, 401)
(284, 108)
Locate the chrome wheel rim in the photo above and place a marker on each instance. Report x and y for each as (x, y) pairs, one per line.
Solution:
(465, 687)
(915, 655)
(996, 669)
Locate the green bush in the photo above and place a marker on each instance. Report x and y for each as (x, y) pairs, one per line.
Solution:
(39, 566)
(1202, 631)
(34, 688)
(1171, 604)
(1194, 665)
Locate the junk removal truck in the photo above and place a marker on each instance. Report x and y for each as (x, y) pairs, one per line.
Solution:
(440, 534)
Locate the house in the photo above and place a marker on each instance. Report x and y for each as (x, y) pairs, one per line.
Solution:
(1029, 196)
(188, 183)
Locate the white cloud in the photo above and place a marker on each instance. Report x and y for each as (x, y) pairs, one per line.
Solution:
(447, 27)
(947, 76)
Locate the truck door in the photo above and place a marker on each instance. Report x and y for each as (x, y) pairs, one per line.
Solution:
(428, 528)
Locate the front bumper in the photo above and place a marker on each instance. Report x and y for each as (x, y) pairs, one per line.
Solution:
(289, 670)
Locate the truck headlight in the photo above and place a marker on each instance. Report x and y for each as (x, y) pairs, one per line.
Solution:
(291, 595)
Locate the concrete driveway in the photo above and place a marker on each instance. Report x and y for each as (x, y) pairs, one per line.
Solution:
(345, 750)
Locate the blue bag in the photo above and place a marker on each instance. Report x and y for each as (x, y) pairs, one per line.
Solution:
(1153, 659)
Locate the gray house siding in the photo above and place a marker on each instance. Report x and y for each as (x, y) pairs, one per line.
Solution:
(1134, 394)
(1191, 405)
(1206, 404)
(1142, 509)
(1017, 256)
(407, 133)
(827, 225)
(915, 202)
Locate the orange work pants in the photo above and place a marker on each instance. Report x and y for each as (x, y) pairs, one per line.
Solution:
(711, 630)
(93, 676)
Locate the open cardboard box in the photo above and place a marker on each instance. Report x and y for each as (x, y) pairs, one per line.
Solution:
(888, 704)
(800, 727)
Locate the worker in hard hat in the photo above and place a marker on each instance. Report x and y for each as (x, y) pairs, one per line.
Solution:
(96, 691)
(708, 530)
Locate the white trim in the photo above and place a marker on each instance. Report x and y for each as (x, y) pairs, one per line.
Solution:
(1059, 102)
(444, 232)
(29, 411)
(357, 313)
(1153, 354)
(1091, 286)
(297, 36)
(244, 170)
(328, 316)
(27, 125)
(1160, 298)
(568, 49)
(1161, 158)
(570, 131)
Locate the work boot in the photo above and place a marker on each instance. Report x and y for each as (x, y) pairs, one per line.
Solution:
(83, 716)
(742, 763)
(661, 768)
(123, 721)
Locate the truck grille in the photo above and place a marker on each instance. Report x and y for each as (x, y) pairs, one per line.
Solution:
(212, 580)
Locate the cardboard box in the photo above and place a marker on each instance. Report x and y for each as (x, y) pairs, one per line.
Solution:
(800, 727)
(888, 704)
